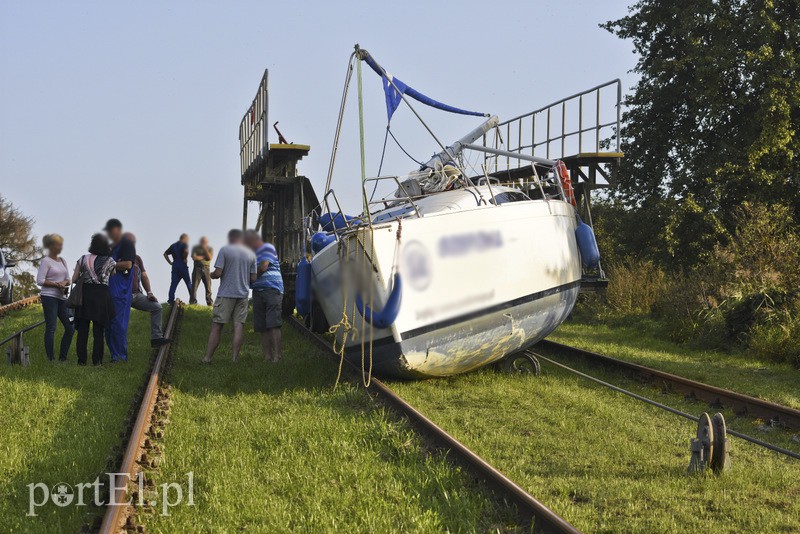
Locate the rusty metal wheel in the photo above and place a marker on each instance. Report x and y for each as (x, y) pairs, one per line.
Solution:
(523, 363)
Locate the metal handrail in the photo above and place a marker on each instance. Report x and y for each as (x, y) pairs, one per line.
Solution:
(19, 333)
(400, 200)
(528, 141)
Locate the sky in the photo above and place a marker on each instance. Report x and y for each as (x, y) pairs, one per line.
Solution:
(131, 109)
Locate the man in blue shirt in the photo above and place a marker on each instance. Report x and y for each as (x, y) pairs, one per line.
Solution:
(179, 251)
(267, 296)
(120, 286)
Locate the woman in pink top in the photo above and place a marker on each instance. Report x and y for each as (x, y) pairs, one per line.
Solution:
(54, 279)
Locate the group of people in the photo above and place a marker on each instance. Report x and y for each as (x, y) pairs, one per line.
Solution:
(106, 277)
(111, 279)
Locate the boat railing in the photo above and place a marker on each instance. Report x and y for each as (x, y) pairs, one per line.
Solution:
(384, 203)
(578, 123)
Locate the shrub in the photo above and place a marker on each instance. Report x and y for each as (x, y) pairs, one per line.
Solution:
(634, 286)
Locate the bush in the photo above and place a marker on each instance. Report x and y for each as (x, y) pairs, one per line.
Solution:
(634, 286)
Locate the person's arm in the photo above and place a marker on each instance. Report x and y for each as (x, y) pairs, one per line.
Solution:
(209, 253)
(262, 267)
(253, 270)
(146, 286)
(77, 272)
(219, 266)
(127, 255)
(41, 277)
(185, 253)
(166, 255)
(197, 257)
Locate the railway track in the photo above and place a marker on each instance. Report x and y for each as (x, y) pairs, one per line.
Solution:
(532, 511)
(19, 305)
(116, 515)
(740, 403)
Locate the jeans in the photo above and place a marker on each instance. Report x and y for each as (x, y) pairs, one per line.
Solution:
(179, 274)
(55, 310)
(201, 273)
(98, 344)
(142, 303)
(117, 331)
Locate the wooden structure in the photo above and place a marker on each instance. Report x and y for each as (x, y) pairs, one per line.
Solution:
(270, 178)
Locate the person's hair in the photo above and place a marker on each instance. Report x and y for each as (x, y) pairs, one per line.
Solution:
(100, 246)
(235, 235)
(183, 235)
(50, 239)
(252, 234)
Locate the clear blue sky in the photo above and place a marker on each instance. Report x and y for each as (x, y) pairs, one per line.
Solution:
(131, 109)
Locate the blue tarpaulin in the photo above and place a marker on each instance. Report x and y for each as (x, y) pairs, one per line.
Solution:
(394, 96)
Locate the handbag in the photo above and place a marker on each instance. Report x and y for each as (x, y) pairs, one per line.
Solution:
(75, 298)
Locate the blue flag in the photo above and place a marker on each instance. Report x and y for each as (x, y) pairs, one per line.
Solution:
(393, 96)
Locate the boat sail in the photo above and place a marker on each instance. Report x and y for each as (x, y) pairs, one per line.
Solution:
(452, 270)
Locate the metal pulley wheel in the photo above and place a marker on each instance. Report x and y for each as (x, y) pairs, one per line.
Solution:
(720, 457)
(711, 446)
(523, 363)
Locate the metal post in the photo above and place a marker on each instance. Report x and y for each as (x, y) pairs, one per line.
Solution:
(244, 211)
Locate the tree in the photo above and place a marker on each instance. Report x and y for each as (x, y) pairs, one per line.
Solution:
(712, 122)
(16, 234)
(19, 245)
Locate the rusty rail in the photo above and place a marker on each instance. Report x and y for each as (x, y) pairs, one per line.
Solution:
(115, 514)
(19, 305)
(738, 402)
(542, 518)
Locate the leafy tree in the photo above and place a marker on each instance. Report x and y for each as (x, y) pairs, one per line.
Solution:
(19, 245)
(712, 122)
(16, 234)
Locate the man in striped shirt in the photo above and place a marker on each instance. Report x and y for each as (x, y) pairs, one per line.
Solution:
(267, 296)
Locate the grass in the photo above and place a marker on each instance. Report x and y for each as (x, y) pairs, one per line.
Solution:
(737, 371)
(60, 422)
(274, 448)
(608, 463)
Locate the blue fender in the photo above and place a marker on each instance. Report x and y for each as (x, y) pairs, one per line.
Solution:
(387, 316)
(321, 240)
(335, 221)
(587, 244)
(302, 292)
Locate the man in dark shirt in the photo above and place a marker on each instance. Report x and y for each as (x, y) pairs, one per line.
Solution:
(120, 286)
(146, 301)
(179, 253)
(202, 255)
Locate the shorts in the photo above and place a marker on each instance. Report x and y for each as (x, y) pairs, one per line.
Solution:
(230, 310)
(267, 304)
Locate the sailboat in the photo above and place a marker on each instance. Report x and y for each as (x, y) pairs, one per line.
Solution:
(452, 270)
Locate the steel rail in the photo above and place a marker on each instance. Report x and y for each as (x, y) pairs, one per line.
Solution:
(114, 514)
(751, 439)
(542, 518)
(739, 402)
(19, 305)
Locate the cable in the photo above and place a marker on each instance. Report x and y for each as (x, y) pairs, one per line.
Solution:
(380, 167)
(691, 417)
(404, 150)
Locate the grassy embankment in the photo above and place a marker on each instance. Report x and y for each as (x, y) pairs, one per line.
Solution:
(608, 463)
(641, 343)
(274, 448)
(60, 422)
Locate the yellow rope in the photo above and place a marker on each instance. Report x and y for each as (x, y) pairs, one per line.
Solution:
(344, 323)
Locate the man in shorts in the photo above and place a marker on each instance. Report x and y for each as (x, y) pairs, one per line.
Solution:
(236, 270)
(267, 296)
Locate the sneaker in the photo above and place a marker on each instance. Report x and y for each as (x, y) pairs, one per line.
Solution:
(155, 343)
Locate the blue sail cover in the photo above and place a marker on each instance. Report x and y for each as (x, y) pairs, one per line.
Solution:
(394, 96)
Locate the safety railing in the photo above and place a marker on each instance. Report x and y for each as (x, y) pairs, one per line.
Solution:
(18, 352)
(253, 129)
(572, 125)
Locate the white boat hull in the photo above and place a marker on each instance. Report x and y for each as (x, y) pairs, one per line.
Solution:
(478, 284)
